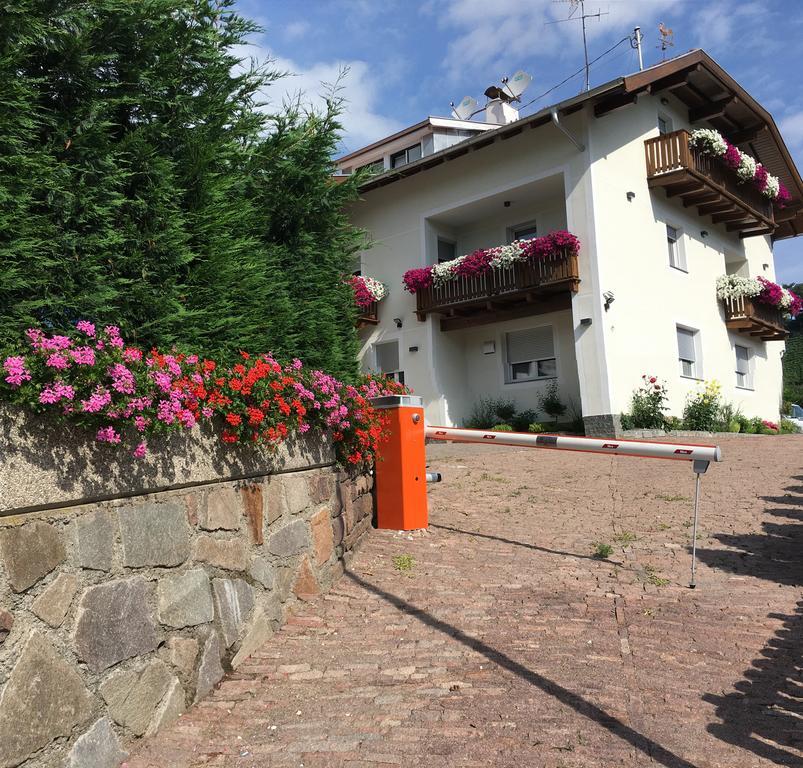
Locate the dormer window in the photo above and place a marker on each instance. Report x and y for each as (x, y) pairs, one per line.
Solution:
(409, 155)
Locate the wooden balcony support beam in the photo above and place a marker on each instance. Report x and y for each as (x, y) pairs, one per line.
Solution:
(684, 189)
(715, 207)
(709, 196)
(709, 111)
(732, 215)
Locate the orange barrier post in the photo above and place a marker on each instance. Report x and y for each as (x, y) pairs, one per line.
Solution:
(400, 470)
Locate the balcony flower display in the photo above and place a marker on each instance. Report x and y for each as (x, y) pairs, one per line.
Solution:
(760, 289)
(485, 260)
(711, 142)
(123, 395)
(367, 290)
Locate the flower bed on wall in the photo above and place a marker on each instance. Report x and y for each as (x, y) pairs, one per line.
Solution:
(367, 290)
(93, 378)
(485, 260)
(711, 142)
(760, 289)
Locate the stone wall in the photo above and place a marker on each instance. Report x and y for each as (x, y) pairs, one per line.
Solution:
(117, 615)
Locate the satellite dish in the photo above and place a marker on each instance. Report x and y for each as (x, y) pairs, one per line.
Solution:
(465, 109)
(517, 84)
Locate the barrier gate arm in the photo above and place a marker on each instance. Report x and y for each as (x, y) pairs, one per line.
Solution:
(700, 455)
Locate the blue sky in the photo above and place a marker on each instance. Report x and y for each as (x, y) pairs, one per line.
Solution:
(409, 59)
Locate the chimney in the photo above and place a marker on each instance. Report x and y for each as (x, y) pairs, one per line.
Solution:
(500, 112)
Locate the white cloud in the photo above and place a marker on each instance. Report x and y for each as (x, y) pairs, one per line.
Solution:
(296, 30)
(792, 129)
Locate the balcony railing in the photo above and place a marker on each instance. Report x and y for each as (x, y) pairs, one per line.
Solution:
(368, 315)
(706, 182)
(526, 287)
(752, 318)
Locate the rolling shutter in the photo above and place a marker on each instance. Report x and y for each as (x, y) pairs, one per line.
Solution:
(530, 344)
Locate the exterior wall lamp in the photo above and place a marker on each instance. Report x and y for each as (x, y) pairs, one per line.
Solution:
(609, 299)
(630, 196)
(398, 322)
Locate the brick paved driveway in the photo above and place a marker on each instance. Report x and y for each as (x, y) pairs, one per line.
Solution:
(507, 644)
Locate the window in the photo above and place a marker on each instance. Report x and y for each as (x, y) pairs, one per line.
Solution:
(664, 125)
(688, 352)
(446, 250)
(387, 360)
(523, 232)
(377, 166)
(408, 155)
(744, 367)
(674, 244)
(530, 355)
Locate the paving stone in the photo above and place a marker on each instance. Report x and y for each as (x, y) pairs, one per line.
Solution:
(132, 696)
(257, 635)
(52, 605)
(234, 599)
(114, 623)
(44, 698)
(263, 571)
(181, 652)
(30, 551)
(254, 506)
(306, 585)
(154, 534)
(185, 599)
(172, 707)
(210, 670)
(322, 543)
(6, 623)
(222, 511)
(289, 540)
(230, 554)
(94, 540)
(99, 747)
(296, 492)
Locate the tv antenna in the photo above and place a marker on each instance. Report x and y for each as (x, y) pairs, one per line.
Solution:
(510, 90)
(667, 39)
(580, 5)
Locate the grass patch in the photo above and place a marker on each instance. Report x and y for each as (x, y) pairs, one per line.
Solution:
(403, 563)
(652, 577)
(492, 478)
(624, 538)
(602, 551)
(671, 497)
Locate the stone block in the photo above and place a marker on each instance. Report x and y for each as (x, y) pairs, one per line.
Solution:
(181, 653)
(222, 510)
(254, 507)
(289, 540)
(114, 623)
(133, 696)
(322, 537)
(276, 504)
(154, 534)
(257, 635)
(171, 709)
(210, 671)
(230, 554)
(234, 599)
(321, 487)
(52, 605)
(99, 747)
(185, 599)
(263, 572)
(94, 540)
(44, 699)
(191, 505)
(30, 551)
(284, 582)
(305, 584)
(338, 529)
(6, 622)
(296, 492)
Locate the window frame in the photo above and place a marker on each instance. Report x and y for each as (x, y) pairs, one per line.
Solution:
(667, 122)
(678, 253)
(508, 366)
(697, 363)
(448, 241)
(749, 383)
(524, 225)
(398, 374)
(405, 153)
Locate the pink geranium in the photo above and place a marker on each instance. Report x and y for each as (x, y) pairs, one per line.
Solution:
(732, 156)
(16, 371)
(417, 279)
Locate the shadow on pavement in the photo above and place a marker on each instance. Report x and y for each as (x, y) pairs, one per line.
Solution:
(584, 707)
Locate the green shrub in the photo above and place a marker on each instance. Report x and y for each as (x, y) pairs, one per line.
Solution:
(648, 404)
(626, 420)
(734, 425)
(536, 428)
(501, 428)
(752, 426)
(602, 551)
(522, 420)
(702, 409)
(788, 427)
(673, 424)
(550, 403)
(488, 411)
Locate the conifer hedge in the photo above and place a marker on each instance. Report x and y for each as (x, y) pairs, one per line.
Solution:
(143, 184)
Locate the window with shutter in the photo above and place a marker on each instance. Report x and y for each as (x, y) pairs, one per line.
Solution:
(687, 352)
(674, 244)
(744, 372)
(530, 355)
(387, 360)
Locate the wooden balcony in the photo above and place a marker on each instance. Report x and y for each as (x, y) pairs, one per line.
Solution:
(530, 287)
(752, 318)
(705, 182)
(368, 315)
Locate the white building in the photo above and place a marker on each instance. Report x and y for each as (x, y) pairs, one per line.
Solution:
(657, 221)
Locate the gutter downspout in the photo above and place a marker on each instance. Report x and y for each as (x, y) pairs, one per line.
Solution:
(557, 123)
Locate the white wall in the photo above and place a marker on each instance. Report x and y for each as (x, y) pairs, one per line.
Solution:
(652, 297)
